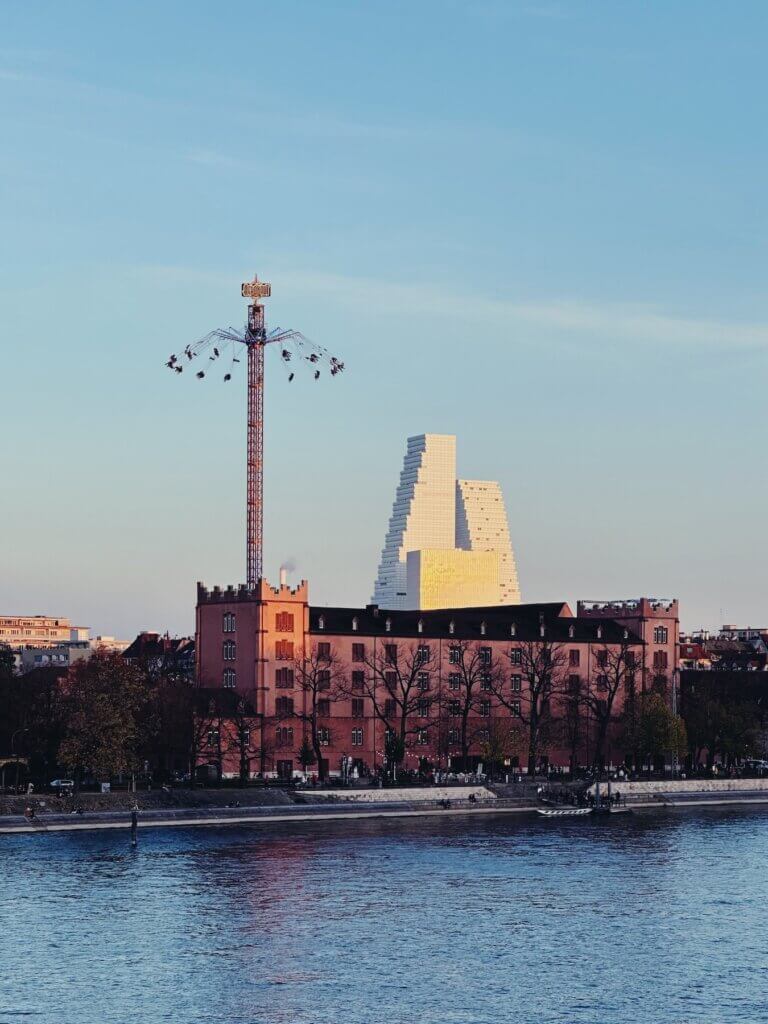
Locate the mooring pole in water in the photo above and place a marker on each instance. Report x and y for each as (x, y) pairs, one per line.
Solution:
(134, 825)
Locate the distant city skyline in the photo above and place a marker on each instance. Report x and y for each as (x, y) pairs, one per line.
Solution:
(536, 225)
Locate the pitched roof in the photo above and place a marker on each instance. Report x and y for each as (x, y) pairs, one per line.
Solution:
(527, 619)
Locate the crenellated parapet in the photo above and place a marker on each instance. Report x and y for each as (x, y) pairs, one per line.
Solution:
(263, 591)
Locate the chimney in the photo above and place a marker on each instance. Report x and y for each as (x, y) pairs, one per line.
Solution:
(283, 577)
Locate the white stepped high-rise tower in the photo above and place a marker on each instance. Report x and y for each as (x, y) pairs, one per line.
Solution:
(423, 515)
(481, 525)
(435, 512)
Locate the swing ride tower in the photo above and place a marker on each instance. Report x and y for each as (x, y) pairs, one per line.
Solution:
(223, 342)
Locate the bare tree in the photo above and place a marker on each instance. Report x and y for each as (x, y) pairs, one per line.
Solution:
(539, 664)
(241, 737)
(615, 668)
(572, 722)
(473, 678)
(205, 737)
(321, 680)
(403, 694)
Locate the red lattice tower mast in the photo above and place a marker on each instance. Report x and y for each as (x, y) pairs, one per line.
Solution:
(256, 340)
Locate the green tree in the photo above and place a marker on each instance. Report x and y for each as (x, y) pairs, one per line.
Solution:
(661, 732)
(306, 754)
(106, 707)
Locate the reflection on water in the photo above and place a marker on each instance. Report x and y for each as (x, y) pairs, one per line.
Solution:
(475, 920)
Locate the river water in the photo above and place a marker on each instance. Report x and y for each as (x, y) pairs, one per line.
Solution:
(461, 921)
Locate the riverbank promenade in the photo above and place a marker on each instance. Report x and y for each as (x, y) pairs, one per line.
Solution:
(344, 806)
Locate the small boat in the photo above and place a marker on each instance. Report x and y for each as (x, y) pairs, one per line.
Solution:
(564, 812)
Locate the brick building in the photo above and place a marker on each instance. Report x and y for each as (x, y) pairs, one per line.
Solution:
(470, 675)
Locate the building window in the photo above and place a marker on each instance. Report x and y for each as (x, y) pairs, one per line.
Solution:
(228, 650)
(602, 682)
(284, 650)
(516, 656)
(486, 655)
(323, 651)
(324, 708)
(629, 660)
(284, 706)
(324, 679)
(421, 737)
(422, 680)
(454, 708)
(284, 736)
(514, 708)
(213, 737)
(229, 678)
(358, 682)
(599, 632)
(358, 707)
(482, 629)
(454, 656)
(517, 683)
(388, 625)
(484, 735)
(454, 681)
(284, 678)
(389, 708)
(571, 632)
(453, 736)
(451, 627)
(660, 660)
(420, 626)
(324, 736)
(357, 737)
(602, 658)
(358, 652)
(245, 737)
(354, 624)
(485, 681)
(390, 654)
(485, 709)
(660, 634)
(321, 622)
(390, 680)
(423, 708)
(228, 625)
(574, 685)
(284, 622)
(574, 658)
(423, 654)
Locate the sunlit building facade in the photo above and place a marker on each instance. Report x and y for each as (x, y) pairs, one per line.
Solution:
(453, 578)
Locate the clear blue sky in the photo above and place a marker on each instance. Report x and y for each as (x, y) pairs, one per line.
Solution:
(537, 225)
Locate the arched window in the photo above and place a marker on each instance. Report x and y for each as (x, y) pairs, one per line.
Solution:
(321, 622)
(513, 630)
(388, 625)
(451, 627)
(354, 624)
(482, 629)
(229, 678)
(228, 625)
(420, 626)
(571, 632)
